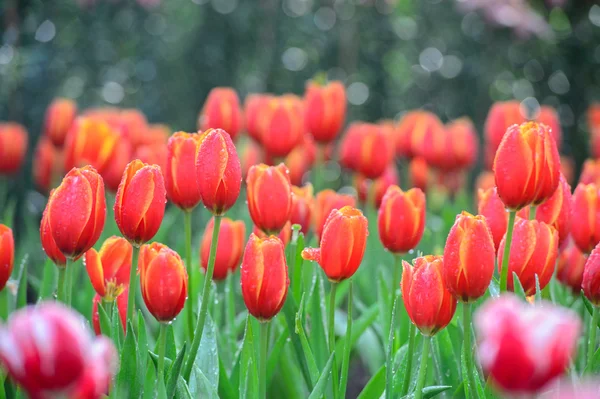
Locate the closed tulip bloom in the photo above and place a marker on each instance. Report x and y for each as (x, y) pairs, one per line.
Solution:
(60, 114)
(140, 202)
(153, 154)
(300, 160)
(325, 202)
(350, 145)
(180, 174)
(49, 351)
(469, 257)
(427, 300)
(570, 266)
(325, 110)
(549, 117)
(76, 211)
(492, 208)
(522, 348)
(591, 277)
(264, 277)
(254, 109)
(585, 211)
(282, 125)
(590, 172)
(302, 206)
(342, 245)
(163, 281)
(122, 155)
(218, 171)
(556, 210)
(418, 170)
(412, 130)
(269, 196)
(485, 179)
(109, 268)
(284, 235)
(121, 307)
(401, 219)
(13, 147)
(533, 251)
(229, 247)
(375, 152)
(222, 110)
(48, 243)
(134, 124)
(381, 184)
(250, 155)
(501, 116)
(45, 162)
(464, 143)
(7, 254)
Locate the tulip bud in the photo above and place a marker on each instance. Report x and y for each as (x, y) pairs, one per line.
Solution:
(180, 174)
(418, 171)
(326, 201)
(121, 308)
(374, 154)
(300, 160)
(413, 128)
(485, 179)
(325, 110)
(218, 171)
(501, 116)
(13, 147)
(153, 154)
(469, 257)
(163, 281)
(7, 254)
(264, 277)
(282, 125)
(463, 143)
(222, 110)
(379, 185)
(134, 124)
(269, 196)
(556, 210)
(570, 266)
(44, 164)
(590, 172)
(401, 219)
(229, 247)
(549, 117)
(427, 300)
(302, 206)
(533, 251)
(584, 210)
(109, 268)
(250, 155)
(122, 155)
(60, 114)
(284, 235)
(492, 208)
(522, 347)
(526, 166)
(76, 211)
(591, 277)
(343, 244)
(48, 243)
(254, 109)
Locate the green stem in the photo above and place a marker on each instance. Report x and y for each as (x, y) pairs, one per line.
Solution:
(348, 345)
(161, 351)
(4, 304)
(108, 308)
(318, 168)
(69, 281)
(230, 307)
(592, 342)
(187, 371)
(468, 348)
(505, 257)
(61, 290)
(409, 359)
(532, 211)
(334, 370)
(389, 363)
(397, 274)
(132, 283)
(187, 216)
(423, 368)
(264, 346)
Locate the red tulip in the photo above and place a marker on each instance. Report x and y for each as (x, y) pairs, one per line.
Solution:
(60, 114)
(485, 179)
(7, 254)
(570, 266)
(163, 281)
(585, 211)
(218, 171)
(222, 110)
(501, 116)
(254, 109)
(591, 277)
(109, 268)
(374, 153)
(418, 171)
(381, 184)
(427, 300)
(492, 208)
(13, 147)
(325, 110)
(76, 211)
(300, 160)
(229, 247)
(153, 154)
(464, 144)
(343, 244)
(133, 124)
(327, 201)
(264, 277)
(180, 174)
(522, 347)
(412, 130)
(549, 117)
(401, 219)
(526, 166)
(269, 196)
(44, 164)
(590, 172)
(48, 243)
(121, 307)
(250, 155)
(302, 206)
(282, 125)
(284, 235)
(122, 155)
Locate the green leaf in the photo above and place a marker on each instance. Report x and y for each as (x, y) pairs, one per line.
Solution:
(207, 358)
(359, 326)
(105, 326)
(182, 391)
(317, 312)
(48, 280)
(347, 343)
(431, 391)
(116, 328)
(200, 386)
(321, 384)
(448, 357)
(310, 359)
(22, 290)
(248, 376)
(594, 366)
(276, 352)
(376, 385)
(226, 389)
(174, 372)
(466, 384)
(588, 305)
(389, 365)
(142, 338)
(538, 291)
(494, 288)
(518, 288)
(127, 379)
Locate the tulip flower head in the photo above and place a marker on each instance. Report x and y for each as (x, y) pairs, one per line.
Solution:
(302, 206)
(522, 347)
(269, 196)
(59, 116)
(591, 277)
(45, 161)
(13, 147)
(428, 302)
(222, 110)
(556, 210)
(255, 107)
(412, 130)
(418, 171)
(180, 174)
(585, 211)
(326, 201)
(109, 268)
(229, 247)
(492, 208)
(379, 185)
(501, 116)
(7, 254)
(401, 219)
(282, 125)
(48, 243)
(570, 266)
(325, 110)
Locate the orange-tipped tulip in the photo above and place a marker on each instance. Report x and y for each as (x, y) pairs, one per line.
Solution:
(501, 116)
(121, 300)
(591, 277)
(549, 117)
(585, 211)
(418, 171)
(342, 244)
(485, 179)
(570, 266)
(300, 160)
(44, 164)
(325, 110)
(13, 147)
(180, 174)
(76, 211)
(412, 130)
(401, 219)
(222, 110)
(302, 206)
(284, 235)
(218, 171)
(250, 155)
(326, 201)
(269, 197)
(254, 109)
(163, 281)
(7, 255)
(59, 116)
(380, 185)
(109, 268)
(122, 155)
(492, 208)
(590, 172)
(533, 251)
(140, 202)
(229, 247)
(469, 257)
(526, 166)
(375, 153)
(264, 277)
(464, 144)
(153, 154)
(427, 300)
(134, 124)
(282, 125)
(48, 244)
